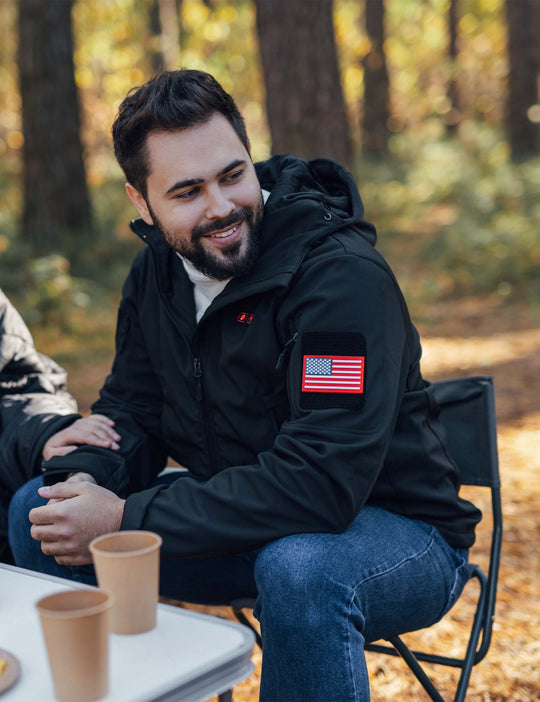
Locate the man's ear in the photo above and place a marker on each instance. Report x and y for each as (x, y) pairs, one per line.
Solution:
(140, 203)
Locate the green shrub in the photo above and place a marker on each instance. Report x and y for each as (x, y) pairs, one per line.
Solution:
(53, 292)
(463, 207)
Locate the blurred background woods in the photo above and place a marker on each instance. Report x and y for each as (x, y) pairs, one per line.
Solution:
(432, 104)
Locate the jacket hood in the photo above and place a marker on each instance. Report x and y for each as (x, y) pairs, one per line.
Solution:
(320, 182)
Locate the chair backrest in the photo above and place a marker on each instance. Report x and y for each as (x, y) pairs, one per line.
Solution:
(467, 412)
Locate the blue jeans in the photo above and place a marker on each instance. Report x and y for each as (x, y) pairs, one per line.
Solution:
(319, 597)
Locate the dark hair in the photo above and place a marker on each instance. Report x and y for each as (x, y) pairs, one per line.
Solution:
(170, 101)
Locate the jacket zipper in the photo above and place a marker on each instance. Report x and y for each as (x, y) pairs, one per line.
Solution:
(199, 394)
(286, 351)
(197, 374)
(208, 423)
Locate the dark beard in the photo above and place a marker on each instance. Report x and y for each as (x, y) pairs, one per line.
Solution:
(231, 263)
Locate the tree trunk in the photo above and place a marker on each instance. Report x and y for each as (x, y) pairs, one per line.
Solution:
(376, 111)
(304, 100)
(155, 53)
(523, 133)
(164, 25)
(56, 203)
(453, 116)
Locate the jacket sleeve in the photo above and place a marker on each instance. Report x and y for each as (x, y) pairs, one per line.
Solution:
(34, 403)
(328, 453)
(27, 423)
(131, 397)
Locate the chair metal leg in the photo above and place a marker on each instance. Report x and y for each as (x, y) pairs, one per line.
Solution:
(416, 668)
(478, 624)
(225, 696)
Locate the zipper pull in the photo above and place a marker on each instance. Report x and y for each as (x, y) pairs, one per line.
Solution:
(197, 374)
(283, 355)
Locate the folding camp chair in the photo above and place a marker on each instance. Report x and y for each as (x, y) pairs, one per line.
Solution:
(467, 412)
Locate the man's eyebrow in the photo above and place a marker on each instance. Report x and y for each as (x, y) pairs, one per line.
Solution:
(197, 181)
(232, 166)
(184, 184)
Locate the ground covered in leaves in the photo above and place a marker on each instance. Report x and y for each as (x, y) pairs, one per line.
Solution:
(468, 338)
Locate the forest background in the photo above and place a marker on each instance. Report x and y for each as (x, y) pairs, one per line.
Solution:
(434, 107)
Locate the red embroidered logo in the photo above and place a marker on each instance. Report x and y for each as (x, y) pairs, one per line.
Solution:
(341, 374)
(245, 318)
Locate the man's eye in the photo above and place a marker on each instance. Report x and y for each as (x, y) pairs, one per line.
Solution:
(187, 194)
(232, 177)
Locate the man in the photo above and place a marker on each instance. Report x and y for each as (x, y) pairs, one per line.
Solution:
(266, 346)
(38, 417)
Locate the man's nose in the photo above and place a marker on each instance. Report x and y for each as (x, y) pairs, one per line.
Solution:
(217, 204)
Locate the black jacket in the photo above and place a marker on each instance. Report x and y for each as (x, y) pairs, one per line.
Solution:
(34, 405)
(224, 397)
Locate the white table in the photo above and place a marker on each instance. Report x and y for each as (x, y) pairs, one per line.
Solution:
(188, 657)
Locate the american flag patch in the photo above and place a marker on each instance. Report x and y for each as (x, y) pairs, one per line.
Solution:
(341, 374)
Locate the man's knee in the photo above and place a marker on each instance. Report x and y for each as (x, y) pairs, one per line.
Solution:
(25, 499)
(290, 563)
(296, 583)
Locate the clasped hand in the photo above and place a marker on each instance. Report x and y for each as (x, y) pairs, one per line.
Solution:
(78, 510)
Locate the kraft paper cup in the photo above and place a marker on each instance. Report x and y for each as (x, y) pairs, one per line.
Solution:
(127, 564)
(75, 626)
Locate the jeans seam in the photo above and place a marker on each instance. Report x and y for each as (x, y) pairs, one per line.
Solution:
(397, 565)
(452, 596)
(350, 665)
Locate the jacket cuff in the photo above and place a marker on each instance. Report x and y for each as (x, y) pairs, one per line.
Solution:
(52, 424)
(136, 507)
(106, 467)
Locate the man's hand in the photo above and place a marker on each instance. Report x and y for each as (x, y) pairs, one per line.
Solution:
(78, 510)
(96, 430)
(75, 478)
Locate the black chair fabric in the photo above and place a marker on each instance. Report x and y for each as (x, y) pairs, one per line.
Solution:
(467, 412)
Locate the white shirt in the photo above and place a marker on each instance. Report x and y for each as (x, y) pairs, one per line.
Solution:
(205, 289)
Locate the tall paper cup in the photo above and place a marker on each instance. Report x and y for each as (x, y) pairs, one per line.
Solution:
(76, 627)
(127, 564)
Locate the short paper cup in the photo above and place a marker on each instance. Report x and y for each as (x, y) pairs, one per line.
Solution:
(127, 564)
(76, 627)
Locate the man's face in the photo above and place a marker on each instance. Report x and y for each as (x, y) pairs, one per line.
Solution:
(204, 197)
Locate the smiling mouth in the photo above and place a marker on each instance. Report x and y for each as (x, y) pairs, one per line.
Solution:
(228, 233)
